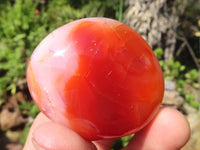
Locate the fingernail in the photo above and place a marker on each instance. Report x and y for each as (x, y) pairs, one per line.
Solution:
(36, 146)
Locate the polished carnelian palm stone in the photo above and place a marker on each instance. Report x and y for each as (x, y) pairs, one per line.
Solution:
(96, 76)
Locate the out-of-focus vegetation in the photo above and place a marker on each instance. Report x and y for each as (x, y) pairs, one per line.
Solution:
(173, 70)
(24, 23)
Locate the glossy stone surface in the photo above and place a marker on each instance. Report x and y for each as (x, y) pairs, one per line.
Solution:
(97, 76)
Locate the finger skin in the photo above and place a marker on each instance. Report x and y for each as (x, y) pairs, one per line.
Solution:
(104, 144)
(169, 130)
(42, 122)
(51, 136)
(40, 119)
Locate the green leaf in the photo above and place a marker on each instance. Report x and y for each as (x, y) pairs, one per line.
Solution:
(34, 111)
(25, 133)
(158, 52)
(182, 68)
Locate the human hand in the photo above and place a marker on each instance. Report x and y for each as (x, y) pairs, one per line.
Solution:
(169, 130)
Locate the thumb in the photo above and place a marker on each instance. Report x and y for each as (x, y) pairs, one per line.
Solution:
(51, 136)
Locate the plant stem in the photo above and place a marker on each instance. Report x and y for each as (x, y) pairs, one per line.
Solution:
(120, 10)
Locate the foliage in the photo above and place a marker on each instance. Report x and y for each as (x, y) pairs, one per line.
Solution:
(29, 109)
(106, 8)
(25, 133)
(192, 78)
(173, 70)
(191, 100)
(58, 13)
(19, 32)
(159, 53)
(121, 142)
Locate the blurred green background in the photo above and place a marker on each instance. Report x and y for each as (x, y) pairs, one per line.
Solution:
(171, 27)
